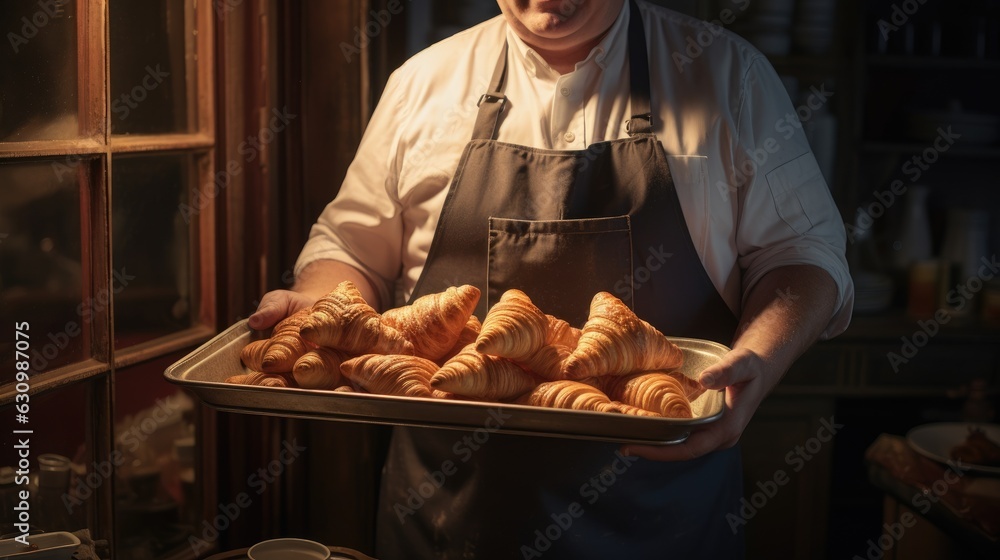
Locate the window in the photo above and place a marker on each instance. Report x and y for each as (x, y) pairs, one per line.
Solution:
(106, 251)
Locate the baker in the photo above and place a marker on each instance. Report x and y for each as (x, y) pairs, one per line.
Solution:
(564, 148)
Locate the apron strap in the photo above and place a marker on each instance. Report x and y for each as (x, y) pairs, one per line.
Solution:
(642, 117)
(492, 104)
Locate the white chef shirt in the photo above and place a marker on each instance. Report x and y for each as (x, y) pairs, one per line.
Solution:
(749, 187)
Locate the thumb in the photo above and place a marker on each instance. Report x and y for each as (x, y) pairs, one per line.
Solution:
(266, 316)
(733, 369)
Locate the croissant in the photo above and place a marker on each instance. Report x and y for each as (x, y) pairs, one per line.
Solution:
(630, 410)
(259, 379)
(468, 336)
(548, 361)
(514, 328)
(344, 321)
(433, 323)
(692, 388)
(616, 342)
(401, 375)
(562, 333)
(568, 394)
(318, 369)
(286, 344)
(481, 376)
(344, 389)
(657, 392)
(252, 355)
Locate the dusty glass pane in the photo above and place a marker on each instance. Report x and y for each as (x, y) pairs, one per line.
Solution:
(38, 70)
(157, 498)
(41, 271)
(61, 495)
(151, 254)
(151, 53)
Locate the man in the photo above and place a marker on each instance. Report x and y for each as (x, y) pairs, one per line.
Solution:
(598, 160)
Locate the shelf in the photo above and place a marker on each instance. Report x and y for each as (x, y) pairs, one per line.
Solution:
(918, 62)
(894, 324)
(902, 148)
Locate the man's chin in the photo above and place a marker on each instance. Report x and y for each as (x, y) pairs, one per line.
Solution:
(551, 25)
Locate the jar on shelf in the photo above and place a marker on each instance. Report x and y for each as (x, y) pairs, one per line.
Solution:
(965, 246)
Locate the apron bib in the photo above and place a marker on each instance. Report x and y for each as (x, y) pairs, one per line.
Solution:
(562, 226)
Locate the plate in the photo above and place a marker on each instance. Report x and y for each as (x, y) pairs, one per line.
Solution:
(936, 440)
(204, 372)
(51, 546)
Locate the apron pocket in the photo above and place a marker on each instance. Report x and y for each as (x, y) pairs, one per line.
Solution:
(560, 264)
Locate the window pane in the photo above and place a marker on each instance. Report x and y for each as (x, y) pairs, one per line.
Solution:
(151, 58)
(38, 80)
(41, 269)
(151, 253)
(157, 503)
(61, 496)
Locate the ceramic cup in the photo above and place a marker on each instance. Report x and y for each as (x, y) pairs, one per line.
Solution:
(288, 549)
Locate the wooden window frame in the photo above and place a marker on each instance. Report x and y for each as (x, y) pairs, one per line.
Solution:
(97, 148)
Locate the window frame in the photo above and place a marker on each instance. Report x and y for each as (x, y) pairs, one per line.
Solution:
(97, 145)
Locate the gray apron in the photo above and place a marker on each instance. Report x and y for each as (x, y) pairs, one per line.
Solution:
(561, 226)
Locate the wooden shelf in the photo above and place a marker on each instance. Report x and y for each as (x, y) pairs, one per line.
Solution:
(918, 62)
(965, 151)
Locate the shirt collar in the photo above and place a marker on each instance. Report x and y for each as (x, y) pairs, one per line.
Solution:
(611, 45)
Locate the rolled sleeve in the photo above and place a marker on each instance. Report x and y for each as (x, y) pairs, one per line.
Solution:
(787, 215)
(362, 226)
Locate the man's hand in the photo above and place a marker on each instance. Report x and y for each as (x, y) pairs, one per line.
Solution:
(742, 374)
(277, 305)
(784, 314)
(314, 281)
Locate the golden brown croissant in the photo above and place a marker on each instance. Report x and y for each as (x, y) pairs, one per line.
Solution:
(433, 323)
(623, 408)
(468, 336)
(562, 333)
(260, 379)
(513, 328)
(344, 389)
(616, 342)
(692, 388)
(318, 369)
(657, 392)
(548, 362)
(286, 344)
(402, 375)
(344, 321)
(568, 394)
(252, 355)
(481, 376)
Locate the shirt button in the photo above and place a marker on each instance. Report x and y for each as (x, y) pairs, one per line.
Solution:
(565, 91)
(569, 137)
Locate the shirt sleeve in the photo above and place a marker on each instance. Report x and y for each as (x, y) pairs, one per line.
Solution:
(362, 226)
(786, 213)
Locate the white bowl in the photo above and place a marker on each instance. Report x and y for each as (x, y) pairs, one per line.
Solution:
(51, 546)
(288, 549)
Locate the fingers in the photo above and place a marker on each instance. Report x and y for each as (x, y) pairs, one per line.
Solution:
(275, 306)
(698, 444)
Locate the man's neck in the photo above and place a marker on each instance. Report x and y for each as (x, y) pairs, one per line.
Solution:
(564, 61)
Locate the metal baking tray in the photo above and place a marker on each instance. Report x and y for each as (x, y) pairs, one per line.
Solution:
(204, 370)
